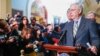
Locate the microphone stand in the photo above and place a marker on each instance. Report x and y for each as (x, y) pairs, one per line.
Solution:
(62, 36)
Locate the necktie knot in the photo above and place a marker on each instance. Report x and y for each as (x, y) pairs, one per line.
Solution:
(76, 22)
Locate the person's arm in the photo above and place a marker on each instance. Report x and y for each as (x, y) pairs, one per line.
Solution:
(94, 36)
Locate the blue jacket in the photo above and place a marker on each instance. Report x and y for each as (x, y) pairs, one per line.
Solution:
(87, 32)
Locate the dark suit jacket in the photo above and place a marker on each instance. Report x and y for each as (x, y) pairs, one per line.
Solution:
(87, 32)
(98, 28)
(62, 25)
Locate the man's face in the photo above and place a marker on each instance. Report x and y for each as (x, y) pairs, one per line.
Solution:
(33, 22)
(91, 16)
(15, 25)
(18, 13)
(74, 11)
(69, 15)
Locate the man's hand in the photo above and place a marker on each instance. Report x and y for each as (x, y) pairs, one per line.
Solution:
(10, 40)
(29, 45)
(93, 49)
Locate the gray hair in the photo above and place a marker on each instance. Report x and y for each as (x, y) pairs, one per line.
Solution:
(79, 6)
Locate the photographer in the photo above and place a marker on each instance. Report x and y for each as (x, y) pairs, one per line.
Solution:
(11, 48)
(4, 30)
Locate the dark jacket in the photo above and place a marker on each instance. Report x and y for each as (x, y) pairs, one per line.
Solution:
(87, 32)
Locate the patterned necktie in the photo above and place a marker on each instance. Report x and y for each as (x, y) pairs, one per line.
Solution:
(75, 28)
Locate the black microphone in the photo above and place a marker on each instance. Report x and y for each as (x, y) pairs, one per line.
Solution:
(62, 35)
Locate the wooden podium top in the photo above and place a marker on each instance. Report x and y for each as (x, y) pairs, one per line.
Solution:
(58, 48)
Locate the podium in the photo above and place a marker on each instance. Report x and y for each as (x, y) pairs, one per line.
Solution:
(61, 49)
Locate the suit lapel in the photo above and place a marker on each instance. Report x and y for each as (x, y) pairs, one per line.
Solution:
(81, 27)
(71, 28)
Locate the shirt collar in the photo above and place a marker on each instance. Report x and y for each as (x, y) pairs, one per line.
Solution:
(79, 20)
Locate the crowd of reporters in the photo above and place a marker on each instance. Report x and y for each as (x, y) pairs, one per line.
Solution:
(21, 36)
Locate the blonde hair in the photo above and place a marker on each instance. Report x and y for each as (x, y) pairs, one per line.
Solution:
(91, 12)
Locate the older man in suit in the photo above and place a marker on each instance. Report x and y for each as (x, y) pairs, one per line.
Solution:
(81, 31)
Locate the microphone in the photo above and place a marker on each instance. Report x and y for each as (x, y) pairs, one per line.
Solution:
(88, 44)
(62, 35)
